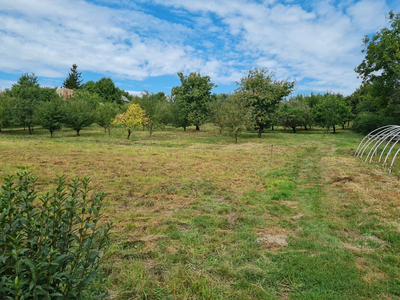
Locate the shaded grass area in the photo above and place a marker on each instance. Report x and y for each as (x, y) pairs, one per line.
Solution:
(193, 211)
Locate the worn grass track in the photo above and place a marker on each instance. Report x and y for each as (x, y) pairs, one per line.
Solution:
(199, 217)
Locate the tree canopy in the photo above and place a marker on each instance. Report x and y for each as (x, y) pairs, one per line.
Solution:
(27, 94)
(381, 64)
(263, 93)
(132, 118)
(195, 93)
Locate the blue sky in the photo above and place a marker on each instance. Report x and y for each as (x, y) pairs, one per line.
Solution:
(142, 45)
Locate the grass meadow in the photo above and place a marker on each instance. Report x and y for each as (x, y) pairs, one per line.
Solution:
(199, 217)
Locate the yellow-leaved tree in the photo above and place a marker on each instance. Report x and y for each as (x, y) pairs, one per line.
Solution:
(133, 117)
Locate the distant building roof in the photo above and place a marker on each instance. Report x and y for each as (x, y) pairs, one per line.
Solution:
(65, 93)
(124, 98)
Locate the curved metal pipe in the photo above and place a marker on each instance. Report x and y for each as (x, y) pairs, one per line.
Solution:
(390, 150)
(387, 144)
(369, 135)
(371, 142)
(384, 138)
(373, 139)
(394, 157)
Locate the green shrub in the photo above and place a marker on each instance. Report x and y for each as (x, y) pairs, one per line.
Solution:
(366, 122)
(51, 244)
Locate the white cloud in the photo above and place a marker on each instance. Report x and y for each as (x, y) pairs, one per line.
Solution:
(322, 46)
(135, 93)
(318, 43)
(5, 84)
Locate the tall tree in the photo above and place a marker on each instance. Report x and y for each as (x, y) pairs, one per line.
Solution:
(195, 92)
(107, 90)
(73, 81)
(381, 64)
(263, 93)
(27, 94)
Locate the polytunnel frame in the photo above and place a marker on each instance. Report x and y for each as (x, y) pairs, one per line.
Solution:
(389, 134)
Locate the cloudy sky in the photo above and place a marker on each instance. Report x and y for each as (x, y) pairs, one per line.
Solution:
(141, 45)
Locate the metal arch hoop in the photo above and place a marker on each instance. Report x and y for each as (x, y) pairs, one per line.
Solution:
(368, 136)
(371, 139)
(389, 134)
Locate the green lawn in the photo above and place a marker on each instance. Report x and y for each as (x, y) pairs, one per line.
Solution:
(200, 217)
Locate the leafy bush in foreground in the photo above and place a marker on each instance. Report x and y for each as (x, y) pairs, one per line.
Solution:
(50, 245)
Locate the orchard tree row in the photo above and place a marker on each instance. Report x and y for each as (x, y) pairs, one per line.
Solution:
(27, 104)
(259, 102)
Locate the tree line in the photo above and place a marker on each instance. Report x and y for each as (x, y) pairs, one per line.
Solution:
(259, 102)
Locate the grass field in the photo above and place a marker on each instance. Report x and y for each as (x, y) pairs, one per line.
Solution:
(199, 217)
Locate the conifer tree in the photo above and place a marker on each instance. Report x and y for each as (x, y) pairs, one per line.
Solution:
(73, 81)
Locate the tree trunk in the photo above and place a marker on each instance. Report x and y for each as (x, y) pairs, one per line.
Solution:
(260, 130)
(334, 129)
(348, 124)
(143, 127)
(77, 132)
(51, 134)
(129, 133)
(0, 129)
(220, 130)
(343, 125)
(294, 129)
(197, 127)
(109, 133)
(184, 128)
(236, 138)
(309, 126)
(305, 127)
(272, 128)
(30, 129)
(151, 132)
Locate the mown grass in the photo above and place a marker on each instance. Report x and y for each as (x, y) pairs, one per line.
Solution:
(194, 212)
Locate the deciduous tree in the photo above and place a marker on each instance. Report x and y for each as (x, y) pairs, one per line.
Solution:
(381, 64)
(51, 115)
(195, 93)
(290, 116)
(79, 114)
(6, 110)
(331, 112)
(131, 119)
(27, 94)
(236, 115)
(105, 115)
(263, 93)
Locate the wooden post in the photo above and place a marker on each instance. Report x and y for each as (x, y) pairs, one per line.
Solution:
(270, 162)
